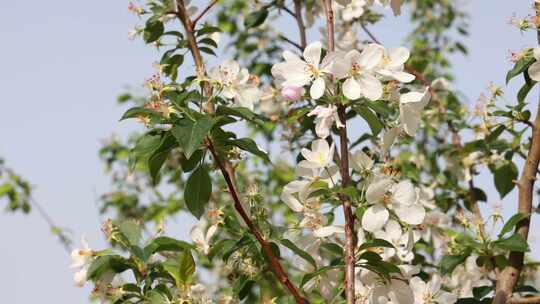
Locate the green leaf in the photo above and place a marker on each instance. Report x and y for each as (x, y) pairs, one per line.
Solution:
(376, 243)
(304, 255)
(255, 19)
(197, 191)
(525, 89)
(153, 30)
(164, 243)
(519, 67)
(159, 156)
(450, 262)
(307, 277)
(504, 177)
(248, 144)
(208, 30)
(371, 118)
(509, 225)
(130, 229)
(188, 164)
(482, 291)
(156, 297)
(513, 243)
(241, 112)
(187, 266)
(208, 41)
(190, 134)
(139, 111)
(103, 264)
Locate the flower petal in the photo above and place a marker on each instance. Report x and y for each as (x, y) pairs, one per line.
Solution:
(374, 218)
(534, 71)
(317, 88)
(312, 53)
(351, 89)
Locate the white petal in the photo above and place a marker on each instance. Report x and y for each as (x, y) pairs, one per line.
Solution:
(389, 137)
(404, 193)
(398, 56)
(328, 231)
(534, 71)
(371, 56)
(536, 53)
(80, 277)
(197, 235)
(374, 218)
(317, 88)
(210, 232)
(393, 230)
(351, 88)
(413, 215)
(312, 53)
(403, 76)
(400, 293)
(371, 87)
(376, 190)
(291, 201)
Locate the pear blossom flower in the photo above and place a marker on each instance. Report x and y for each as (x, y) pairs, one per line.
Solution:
(534, 69)
(402, 241)
(353, 10)
(271, 102)
(392, 64)
(360, 76)
(400, 197)
(360, 161)
(324, 120)
(319, 156)
(81, 258)
(466, 277)
(327, 282)
(430, 292)
(395, 5)
(388, 138)
(395, 292)
(411, 105)
(236, 83)
(202, 239)
(297, 72)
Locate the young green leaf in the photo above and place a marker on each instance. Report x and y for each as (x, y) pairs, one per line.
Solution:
(197, 191)
(450, 262)
(515, 242)
(190, 135)
(509, 225)
(255, 19)
(304, 255)
(249, 145)
(504, 177)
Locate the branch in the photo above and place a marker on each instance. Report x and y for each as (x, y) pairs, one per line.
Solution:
(228, 172)
(511, 273)
(300, 22)
(204, 11)
(226, 167)
(350, 243)
(527, 300)
(296, 45)
(63, 238)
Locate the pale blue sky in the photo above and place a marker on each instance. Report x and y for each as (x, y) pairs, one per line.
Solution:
(62, 64)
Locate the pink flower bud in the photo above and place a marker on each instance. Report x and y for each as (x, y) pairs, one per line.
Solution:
(291, 93)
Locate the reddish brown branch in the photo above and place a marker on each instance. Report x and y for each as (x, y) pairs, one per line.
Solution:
(509, 277)
(527, 300)
(300, 23)
(350, 241)
(226, 167)
(275, 266)
(204, 11)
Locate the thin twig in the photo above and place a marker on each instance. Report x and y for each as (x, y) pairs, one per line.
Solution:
(204, 11)
(226, 168)
(298, 46)
(509, 277)
(368, 32)
(350, 241)
(64, 240)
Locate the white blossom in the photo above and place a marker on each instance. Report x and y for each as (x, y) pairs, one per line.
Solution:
(81, 258)
(310, 70)
(324, 120)
(430, 292)
(411, 105)
(202, 239)
(392, 65)
(534, 69)
(235, 83)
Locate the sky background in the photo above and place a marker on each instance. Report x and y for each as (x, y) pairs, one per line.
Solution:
(62, 64)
